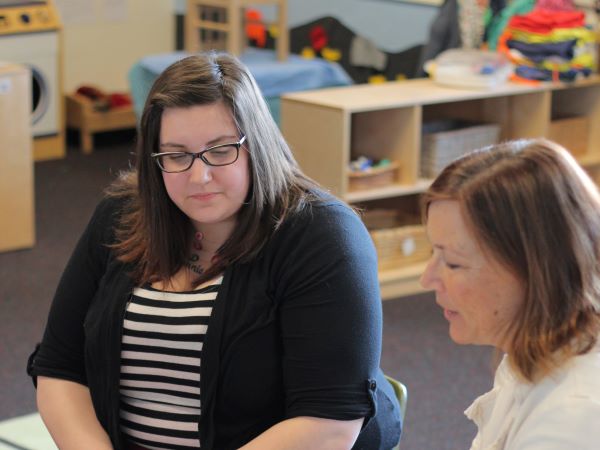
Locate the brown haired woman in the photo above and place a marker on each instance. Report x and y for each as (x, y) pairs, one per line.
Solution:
(515, 230)
(218, 298)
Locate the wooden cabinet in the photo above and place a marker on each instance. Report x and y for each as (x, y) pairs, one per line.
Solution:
(17, 225)
(327, 128)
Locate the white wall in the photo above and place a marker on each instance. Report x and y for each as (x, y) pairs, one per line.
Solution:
(392, 25)
(100, 49)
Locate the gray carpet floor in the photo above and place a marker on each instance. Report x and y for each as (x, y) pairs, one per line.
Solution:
(442, 378)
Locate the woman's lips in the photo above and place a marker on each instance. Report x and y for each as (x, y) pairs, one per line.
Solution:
(449, 314)
(204, 197)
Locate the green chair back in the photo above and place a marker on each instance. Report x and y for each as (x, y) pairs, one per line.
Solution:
(402, 394)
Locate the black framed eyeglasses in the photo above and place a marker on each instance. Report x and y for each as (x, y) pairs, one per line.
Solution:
(216, 156)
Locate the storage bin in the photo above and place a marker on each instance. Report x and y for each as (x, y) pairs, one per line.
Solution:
(399, 241)
(571, 132)
(373, 177)
(444, 141)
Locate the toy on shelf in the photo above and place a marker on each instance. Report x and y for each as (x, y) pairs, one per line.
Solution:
(219, 25)
(256, 30)
(364, 173)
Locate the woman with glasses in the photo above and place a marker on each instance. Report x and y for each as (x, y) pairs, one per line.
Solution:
(515, 230)
(218, 298)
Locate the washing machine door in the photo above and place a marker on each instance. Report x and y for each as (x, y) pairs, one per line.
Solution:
(40, 95)
(38, 51)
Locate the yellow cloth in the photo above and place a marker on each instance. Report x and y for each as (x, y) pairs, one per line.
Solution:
(586, 60)
(583, 35)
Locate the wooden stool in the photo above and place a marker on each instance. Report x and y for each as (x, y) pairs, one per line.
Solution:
(81, 115)
(219, 24)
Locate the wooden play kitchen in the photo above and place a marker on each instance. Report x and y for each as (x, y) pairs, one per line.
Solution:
(328, 128)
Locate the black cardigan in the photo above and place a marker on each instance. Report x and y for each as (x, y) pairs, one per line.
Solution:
(297, 332)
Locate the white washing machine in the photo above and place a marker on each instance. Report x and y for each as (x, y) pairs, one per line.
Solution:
(29, 35)
(38, 51)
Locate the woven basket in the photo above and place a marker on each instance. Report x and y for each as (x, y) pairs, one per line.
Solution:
(398, 241)
(402, 246)
(373, 177)
(444, 141)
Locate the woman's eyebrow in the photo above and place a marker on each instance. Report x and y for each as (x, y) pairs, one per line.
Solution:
(171, 144)
(225, 137)
(229, 138)
(451, 250)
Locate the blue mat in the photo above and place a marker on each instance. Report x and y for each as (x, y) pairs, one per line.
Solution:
(272, 76)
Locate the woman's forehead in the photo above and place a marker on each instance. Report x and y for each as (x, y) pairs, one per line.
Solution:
(448, 229)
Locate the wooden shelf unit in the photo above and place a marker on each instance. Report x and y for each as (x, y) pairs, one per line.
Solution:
(82, 116)
(219, 24)
(327, 128)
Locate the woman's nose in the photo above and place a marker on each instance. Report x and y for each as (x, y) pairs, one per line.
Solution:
(428, 277)
(200, 172)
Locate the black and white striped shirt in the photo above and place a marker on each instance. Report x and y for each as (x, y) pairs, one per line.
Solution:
(163, 334)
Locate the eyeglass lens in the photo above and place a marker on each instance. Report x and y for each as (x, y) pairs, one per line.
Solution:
(220, 156)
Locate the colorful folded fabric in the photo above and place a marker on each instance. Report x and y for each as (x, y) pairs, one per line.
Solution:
(566, 65)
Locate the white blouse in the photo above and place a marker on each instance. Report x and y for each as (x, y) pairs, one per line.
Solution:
(560, 412)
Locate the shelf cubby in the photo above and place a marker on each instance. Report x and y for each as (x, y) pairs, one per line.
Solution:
(573, 114)
(327, 128)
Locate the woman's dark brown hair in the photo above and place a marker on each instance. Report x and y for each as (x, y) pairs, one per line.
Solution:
(534, 210)
(153, 234)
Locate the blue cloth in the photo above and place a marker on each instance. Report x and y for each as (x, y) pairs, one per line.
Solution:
(534, 73)
(272, 76)
(541, 52)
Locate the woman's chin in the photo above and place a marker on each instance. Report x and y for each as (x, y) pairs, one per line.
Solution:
(458, 337)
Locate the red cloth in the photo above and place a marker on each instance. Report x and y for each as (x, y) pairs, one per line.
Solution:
(118, 99)
(91, 92)
(544, 21)
(102, 100)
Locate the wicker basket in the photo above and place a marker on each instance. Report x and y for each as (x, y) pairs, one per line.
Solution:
(402, 246)
(373, 177)
(444, 141)
(398, 244)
